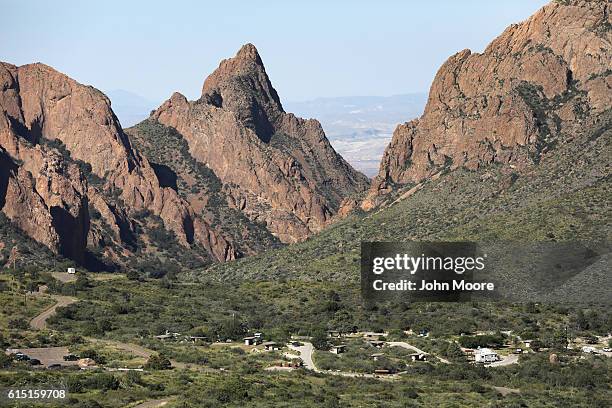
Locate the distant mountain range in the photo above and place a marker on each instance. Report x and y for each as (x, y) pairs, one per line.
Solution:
(130, 107)
(360, 127)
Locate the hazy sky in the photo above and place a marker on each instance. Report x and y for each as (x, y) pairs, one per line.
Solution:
(310, 48)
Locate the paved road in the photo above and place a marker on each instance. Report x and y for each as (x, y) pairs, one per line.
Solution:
(510, 359)
(306, 351)
(40, 321)
(407, 346)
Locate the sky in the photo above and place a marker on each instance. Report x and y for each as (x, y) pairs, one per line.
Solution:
(310, 48)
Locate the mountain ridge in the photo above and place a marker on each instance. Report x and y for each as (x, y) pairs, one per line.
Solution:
(74, 181)
(290, 170)
(539, 81)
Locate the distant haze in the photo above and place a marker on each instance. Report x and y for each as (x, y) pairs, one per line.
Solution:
(310, 48)
(129, 107)
(360, 127)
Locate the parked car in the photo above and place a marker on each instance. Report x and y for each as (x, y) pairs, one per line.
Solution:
(70, 357)
(607, 349)
(54, 366)
(35, 362)
(21, 357)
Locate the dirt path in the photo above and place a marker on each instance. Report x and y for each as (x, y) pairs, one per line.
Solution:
(64, 277)
(135, 349)
(40, 322)
(153, 403)
(415, 349)
(505, 391)
(129, 347)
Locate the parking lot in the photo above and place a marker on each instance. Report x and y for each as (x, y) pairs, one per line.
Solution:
(47, 355)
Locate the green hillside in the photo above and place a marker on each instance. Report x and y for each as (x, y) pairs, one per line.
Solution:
(565, 197)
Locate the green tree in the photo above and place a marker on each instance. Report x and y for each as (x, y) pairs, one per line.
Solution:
(104, 326)
(319, 339)
(82, 282)
(18, 323)
(133, 378)
(74, 384)
(453, 352)
(133, 274)
(103, 381)
(158, 362)
(93, 354)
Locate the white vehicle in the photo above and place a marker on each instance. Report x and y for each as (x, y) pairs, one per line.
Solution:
(485, 355)
(607, 350)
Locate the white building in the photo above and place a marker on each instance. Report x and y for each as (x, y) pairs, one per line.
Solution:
(338, 349)
(485, 355)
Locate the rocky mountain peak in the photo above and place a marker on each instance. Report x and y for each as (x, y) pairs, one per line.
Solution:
(241, 85)
(249, 54)
(275, 168)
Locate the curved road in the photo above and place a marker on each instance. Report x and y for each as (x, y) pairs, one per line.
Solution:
(40, 321)
(510, 359)
(306, 355)
(134, 349)
(306, 352)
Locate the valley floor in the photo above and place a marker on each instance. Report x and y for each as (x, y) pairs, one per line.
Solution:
(120, 324)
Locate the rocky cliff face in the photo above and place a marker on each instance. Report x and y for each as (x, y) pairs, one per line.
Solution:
(231, 174)
(65, 155)
(529, 91)
(46, 200)
(275, 168)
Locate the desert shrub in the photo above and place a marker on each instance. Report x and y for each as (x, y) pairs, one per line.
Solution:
(158, 362)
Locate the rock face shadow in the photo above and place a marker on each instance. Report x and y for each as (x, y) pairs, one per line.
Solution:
(165, 175)
(72, 232)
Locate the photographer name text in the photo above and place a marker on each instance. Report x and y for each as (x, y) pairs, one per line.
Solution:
(433, 286)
